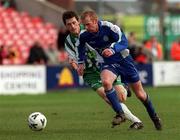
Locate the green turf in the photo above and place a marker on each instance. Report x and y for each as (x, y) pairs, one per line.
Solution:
(82, 115)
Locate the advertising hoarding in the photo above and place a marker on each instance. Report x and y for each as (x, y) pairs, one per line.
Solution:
(22, 79)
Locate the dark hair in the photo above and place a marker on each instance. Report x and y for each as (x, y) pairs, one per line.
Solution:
(132, 33)
(69, 14)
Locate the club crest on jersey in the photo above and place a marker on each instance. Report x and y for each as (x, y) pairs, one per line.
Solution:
(105, 38)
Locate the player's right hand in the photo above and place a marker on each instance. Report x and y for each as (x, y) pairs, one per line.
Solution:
(107, 52)
(73, 64)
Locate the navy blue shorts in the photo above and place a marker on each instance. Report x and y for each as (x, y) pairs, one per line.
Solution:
(125, 68)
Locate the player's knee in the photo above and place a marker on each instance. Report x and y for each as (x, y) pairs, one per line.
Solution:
(107, 84)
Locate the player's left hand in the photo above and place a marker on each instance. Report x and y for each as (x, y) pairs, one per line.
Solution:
(107, 52)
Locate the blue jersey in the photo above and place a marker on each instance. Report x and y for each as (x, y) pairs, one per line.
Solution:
(108, 36)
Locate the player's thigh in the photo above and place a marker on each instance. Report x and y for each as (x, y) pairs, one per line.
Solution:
(107, 76)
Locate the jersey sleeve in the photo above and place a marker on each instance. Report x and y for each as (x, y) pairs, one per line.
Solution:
(120, 42)
(70, 49)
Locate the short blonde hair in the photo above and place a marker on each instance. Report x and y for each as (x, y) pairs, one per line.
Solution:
(91, 14)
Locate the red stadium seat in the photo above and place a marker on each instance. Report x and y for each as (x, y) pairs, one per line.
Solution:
(20, 30)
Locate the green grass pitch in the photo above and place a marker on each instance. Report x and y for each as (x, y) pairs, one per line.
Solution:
(82, 115)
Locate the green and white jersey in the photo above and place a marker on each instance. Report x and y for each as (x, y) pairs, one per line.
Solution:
(71, 47)
(71, 44)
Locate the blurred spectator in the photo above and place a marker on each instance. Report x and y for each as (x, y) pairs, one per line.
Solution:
(132, 44)
(141, 56)
(53, 54)
(37, 55)
(63, 57)
(61, 38)
(2, 54)
(175, 50)
(155, 47)
(13, 54)
(139, 53)
(132, 39)
(10, 54)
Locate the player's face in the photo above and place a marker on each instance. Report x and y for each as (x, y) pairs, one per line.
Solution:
(90, 24)
(72, 25)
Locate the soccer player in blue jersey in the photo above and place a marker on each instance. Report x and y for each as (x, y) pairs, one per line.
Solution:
(92, 73)
(111, 44)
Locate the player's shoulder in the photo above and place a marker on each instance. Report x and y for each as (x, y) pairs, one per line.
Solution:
(110, 26)
(105, 23)
(84, 33)
(67, 39)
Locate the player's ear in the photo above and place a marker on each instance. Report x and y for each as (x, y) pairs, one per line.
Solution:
(94, 21)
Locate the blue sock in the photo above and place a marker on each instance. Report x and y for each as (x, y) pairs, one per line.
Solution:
(111, 95)
(149, 107)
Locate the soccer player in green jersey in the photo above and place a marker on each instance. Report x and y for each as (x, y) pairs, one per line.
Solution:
(92, 74)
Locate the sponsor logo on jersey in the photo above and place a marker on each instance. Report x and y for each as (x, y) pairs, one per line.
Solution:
(92, 42)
